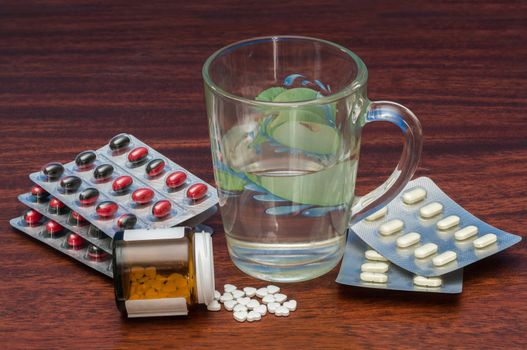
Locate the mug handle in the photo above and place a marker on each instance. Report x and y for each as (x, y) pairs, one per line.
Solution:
(387, 111)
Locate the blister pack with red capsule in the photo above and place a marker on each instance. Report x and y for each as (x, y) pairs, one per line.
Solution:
(58, 237)
(60, 213)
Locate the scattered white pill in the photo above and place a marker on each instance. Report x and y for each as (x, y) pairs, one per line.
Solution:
(431, 210)
(261, 309)
(240, 316)
(229, 305)
(428, 281)
(380, 267)
(373, 277)
(414, 195)
(260, 293)
(254, 316)
(408, 240)
(225, 297)
(243, 301)
(250, 291)
(239, 307)
(377, 215)
(373, 255)
(280, 298)
(214, 306)
(448, 222)
(229, 288)
(485, 241)
(269, 298)
(282, 311)
(425, 250)
(272, 289)
(390, 227)
(444, 258)
(290, 305)
(217, 295)
(253, 303)
(466, 232)
(238, 294)
(272, 307)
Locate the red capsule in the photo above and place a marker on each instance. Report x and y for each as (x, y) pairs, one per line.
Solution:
(138, 155)
(77, 216)
(176, 179)
(142, 195)
(122, 183)
(126, 221)
(96, 254)
(106, 209)
(197, 191)
(155, 167)
(39, 193)
(32, 217)
(161, 208)
(88, 196)
(53, 228)
(75, 241)
(56, 207)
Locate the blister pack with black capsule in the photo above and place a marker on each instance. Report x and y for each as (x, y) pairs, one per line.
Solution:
(70, 222)
(56, 236)
(364, 267)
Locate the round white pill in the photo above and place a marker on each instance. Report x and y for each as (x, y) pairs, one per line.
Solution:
(214, 306)
(390, 227)
(377, 215)
(261, 309)
(269, 298)
(408, 240)
(373, 277)
(237, 294)
(280, 298)
(444, 258)
(448, 222)
(425, 250)
(240, 316)
(254, 316)
(466, 232)
(261, 292)
(290, 305)
(239, 307)
(431, 210)
(272, 307)
(414, 195)
(229, 305)
(252, 304)
(225, 297)
(243, 301)
(250, 291)
(228, 288)
(371, 254)
(485, 241)
(282, 311)
(428, 281)
(217, 295)
(272, 289)
(380, 267)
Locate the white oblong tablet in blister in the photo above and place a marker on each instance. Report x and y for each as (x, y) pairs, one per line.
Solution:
(466, 232)
(408, 240)
(377, 215)
(414, 196)
(425, 250)
(379, 267)
(431, 210)
(448, 222)
(485, 241)
(428, 281)
(371, 254)
(373, 277)
(444, 258)
(390, 227)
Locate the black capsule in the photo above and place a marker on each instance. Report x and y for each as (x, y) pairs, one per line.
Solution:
(127, 221)
(119, 142)
(95, 232)
(70, 184)
(155, 167)
(85, 159)
(88, 196)
(53, 171)
(103, 172)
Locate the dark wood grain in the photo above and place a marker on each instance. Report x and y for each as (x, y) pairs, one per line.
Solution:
(74, 73)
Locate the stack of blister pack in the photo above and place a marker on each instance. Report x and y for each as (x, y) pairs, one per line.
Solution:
(419, 242)
(77, 207)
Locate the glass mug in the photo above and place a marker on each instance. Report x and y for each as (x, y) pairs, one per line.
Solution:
(285, 119)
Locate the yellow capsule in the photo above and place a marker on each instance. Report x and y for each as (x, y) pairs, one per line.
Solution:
(151, 294)
(157, 285)
(169, 287)
(151, 272)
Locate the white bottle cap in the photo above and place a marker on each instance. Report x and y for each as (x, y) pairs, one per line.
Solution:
(204, 267)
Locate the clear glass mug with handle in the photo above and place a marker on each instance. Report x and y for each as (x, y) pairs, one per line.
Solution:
(285, 119)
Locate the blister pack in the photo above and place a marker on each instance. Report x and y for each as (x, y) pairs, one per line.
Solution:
(364, 267)
(63, 240)
(425, 232)
(127, 184)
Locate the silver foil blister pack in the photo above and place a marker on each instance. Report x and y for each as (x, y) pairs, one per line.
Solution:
(127, 184)
(425, 232)
(355, 257)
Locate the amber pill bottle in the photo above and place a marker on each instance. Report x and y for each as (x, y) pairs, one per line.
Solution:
(162, 272)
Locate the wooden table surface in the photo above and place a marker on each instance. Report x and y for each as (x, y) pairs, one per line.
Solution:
(75, 73)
